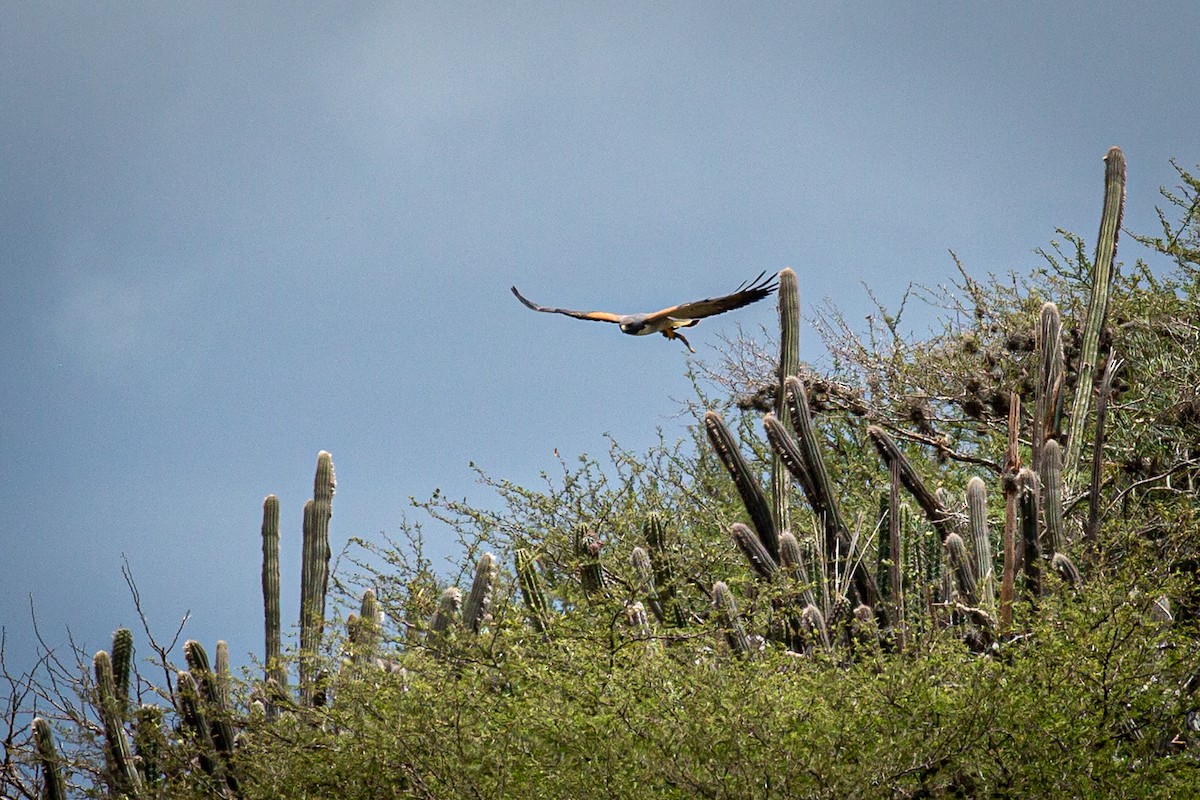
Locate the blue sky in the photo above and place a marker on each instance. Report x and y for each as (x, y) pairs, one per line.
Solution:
(232, 237)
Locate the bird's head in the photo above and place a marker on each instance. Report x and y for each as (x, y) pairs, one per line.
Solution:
(633, 323)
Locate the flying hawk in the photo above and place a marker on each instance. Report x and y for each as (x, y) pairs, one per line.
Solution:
(669, 320)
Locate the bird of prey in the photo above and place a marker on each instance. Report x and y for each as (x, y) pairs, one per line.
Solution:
(669, 320)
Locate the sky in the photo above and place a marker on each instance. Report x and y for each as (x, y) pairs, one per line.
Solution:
(234, 235)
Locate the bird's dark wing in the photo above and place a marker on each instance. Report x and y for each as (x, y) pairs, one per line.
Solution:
(744, 295)
(595, 316)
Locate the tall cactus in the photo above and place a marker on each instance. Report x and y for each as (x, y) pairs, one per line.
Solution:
(726, 610)
(643, 572)
(191, 711)
(1048, 389)
(533, 591)
(815, 631)
(1012, 552)
(1028, 514)
(53, 785)
(962, 567)
(149, 742)
(445, 617)
(663, 556)
(751, 493)
(122, 771)
(1110, 371)
(792, 564)
(314, 572)
(1065, 568)
(1102, 274)
(896, 556)
(937, 514)
(479, 600)
(215, 704)
(822, 499)
(587, 546)
(122, 663)
(752, 548)
(273, 647)
(366, 630)
(981, 544)
(788, 453)
(789, 364)
(1050, 473)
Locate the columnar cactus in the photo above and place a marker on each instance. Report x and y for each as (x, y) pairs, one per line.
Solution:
(1106, 383)
(789, 364)
(981, 544)
(643, 572)
(273, 652)
(896, 555)
(191, 710)
(726, 610)
(935, 512)
(1052, 504)
(1048, 389)
(788, 453)
(221, 677)
(751, 546)
(122, 662)
(751, 493)
(1066, 569)
(1102, 275)
(587, 546)
(53, 785)
(663, 549)
(815, 631)
(314, 574)
(635, 615)
(214, 704)
(149, 742)
(479, 600)
(366, 630)
(1027, 513)
(824, 503)
(446, 615)
(532, 589)
(962, 568)
(1012, 552)
(121, 772)
(792, 563)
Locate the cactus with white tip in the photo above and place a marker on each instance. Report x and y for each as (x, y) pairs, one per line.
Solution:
(726, 609)
(478, 603)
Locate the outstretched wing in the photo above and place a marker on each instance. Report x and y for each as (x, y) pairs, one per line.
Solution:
(749, 292)
(595, 316)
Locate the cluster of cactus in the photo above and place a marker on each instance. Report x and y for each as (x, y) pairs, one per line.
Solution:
(136, 741)
(964, 579)
(469, 614)
(939, 571)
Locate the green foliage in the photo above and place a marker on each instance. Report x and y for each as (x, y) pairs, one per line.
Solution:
(606, 716)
